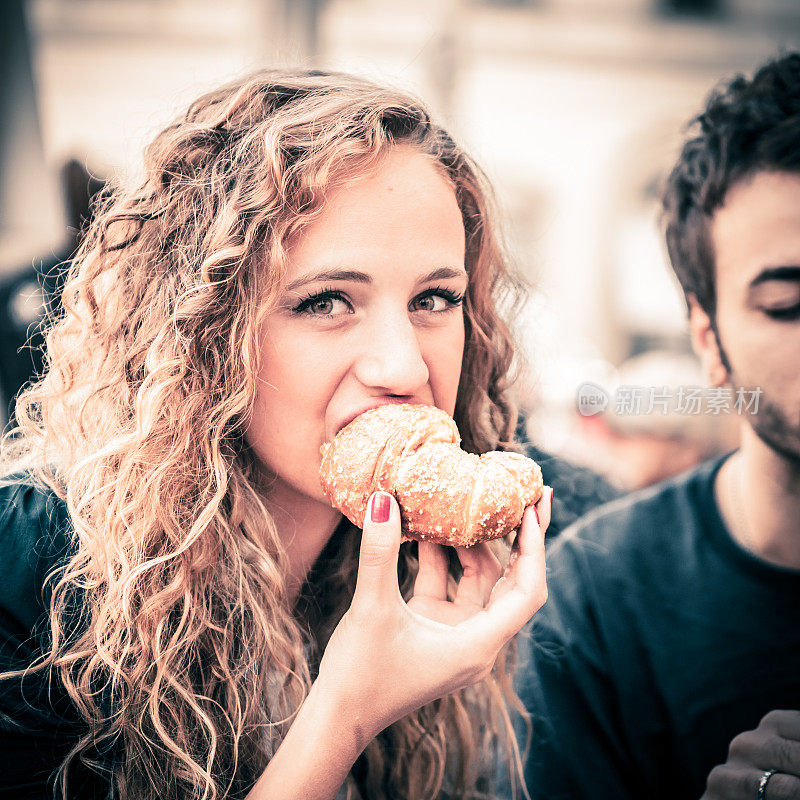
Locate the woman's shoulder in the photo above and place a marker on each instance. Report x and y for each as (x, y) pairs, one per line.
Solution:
(34, 536)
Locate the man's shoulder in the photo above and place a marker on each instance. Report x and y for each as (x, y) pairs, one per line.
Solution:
(648, 523)
(619, 567)
(34, 535)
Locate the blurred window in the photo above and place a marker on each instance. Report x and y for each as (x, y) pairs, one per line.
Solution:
(509, 3)
(694, 8)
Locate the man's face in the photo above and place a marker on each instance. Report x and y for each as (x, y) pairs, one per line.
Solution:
(756, 238)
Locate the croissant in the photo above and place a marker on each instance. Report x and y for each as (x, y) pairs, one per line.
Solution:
(445, 494)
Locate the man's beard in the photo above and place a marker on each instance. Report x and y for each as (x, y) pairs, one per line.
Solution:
(772, 426)
(770, 423)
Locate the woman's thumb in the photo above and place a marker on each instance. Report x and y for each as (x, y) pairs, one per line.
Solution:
(380, 543)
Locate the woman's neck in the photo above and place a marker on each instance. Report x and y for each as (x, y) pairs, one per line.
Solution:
(304, 526)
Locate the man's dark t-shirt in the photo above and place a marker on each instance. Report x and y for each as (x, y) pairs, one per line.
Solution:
(661, 640)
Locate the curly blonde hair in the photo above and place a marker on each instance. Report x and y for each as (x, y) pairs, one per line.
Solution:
(188, 659)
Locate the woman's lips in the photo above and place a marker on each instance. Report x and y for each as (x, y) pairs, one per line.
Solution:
(384, 402)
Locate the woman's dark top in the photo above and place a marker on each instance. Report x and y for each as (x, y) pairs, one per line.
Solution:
(576, 489)
(38, 723)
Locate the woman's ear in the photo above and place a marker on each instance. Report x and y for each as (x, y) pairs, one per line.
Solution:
(705, 344)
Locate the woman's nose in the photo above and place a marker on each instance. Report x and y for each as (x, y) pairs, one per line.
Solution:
(390, 357)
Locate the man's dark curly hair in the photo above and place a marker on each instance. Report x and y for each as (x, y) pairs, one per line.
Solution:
(748, 126)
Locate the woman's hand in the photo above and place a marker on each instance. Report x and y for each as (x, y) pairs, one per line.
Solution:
(387, 657)
(773, 746)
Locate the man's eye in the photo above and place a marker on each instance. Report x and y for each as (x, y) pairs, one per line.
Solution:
(778, 300)
(785, 313)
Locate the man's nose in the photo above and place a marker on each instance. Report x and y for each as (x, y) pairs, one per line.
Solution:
(390, 357)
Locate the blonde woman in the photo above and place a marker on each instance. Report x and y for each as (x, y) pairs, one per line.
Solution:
(183, 613)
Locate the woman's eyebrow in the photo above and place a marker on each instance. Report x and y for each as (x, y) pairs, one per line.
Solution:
(441, 273)
(330, 275)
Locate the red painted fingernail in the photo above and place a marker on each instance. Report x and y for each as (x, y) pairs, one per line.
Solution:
(380, 507)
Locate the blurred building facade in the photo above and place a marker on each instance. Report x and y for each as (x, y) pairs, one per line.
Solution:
(574, 107)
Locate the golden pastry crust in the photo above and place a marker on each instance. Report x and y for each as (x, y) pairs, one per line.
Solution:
(446, 495)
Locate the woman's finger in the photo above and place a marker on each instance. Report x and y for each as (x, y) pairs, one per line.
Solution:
(521, 592)
(431, 578)
(544, 508)
(541, 511)
(526, 566)
(380, 544)
(481, 572)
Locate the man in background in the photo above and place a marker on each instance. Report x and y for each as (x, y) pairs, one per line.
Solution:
(666, 661)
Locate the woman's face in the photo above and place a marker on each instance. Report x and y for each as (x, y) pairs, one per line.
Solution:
(371, 313)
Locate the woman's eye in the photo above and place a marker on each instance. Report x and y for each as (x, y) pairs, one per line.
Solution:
(431, 303)
(437, 301)
(324, 304)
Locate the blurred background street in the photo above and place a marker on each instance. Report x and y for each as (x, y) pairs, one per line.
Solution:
(574, 107)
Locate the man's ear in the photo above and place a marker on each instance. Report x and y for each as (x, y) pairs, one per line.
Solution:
(705, 344)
